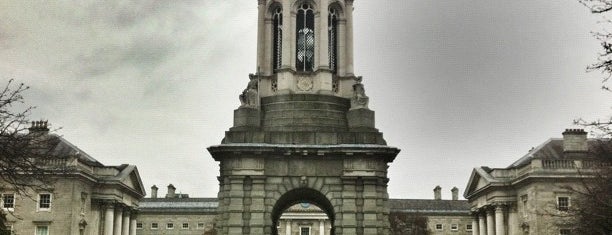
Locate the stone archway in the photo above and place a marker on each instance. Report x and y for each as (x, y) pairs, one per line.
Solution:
(298, 196)
(258, 181)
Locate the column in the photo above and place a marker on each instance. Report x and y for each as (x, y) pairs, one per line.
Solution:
(133, 224)
(288, 34)
(513, 227)
(261, 8)
(482, 224)
(324, 35)
(125, 225)
(321, 227)
(118, 220)
(349, 37)
(341, 47)
(475, 225)
(109, 215)
(490, 222)
(500, 229)
(288, 227)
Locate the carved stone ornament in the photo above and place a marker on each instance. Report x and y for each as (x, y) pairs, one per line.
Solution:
(249, 97)
(304, 83)
(359, 99)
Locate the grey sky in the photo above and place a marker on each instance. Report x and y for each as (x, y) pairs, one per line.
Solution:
(454, 83)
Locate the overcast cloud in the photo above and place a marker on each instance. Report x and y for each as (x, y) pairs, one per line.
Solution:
(454, 83)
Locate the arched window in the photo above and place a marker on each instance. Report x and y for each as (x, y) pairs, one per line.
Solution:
(277, 20)
(305, 38)
(333, 39)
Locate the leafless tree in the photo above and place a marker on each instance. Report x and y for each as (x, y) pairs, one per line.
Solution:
(25, 150)
(408, 224)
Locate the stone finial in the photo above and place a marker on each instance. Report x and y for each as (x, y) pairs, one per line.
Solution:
(250, 95)
(574, 141)
(438, 193)
(455, 193)
(359, 99)
(154, 191)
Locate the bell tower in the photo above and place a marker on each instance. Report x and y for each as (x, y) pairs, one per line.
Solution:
(303, 132)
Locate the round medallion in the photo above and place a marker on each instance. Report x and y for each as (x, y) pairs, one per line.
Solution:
(304, 83)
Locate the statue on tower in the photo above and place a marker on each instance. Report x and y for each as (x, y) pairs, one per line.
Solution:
(360, 99)
(250, 96)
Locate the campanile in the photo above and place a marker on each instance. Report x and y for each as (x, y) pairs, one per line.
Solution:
(303, 132)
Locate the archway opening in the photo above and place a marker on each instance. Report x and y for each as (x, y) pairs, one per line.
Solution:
(303, 211)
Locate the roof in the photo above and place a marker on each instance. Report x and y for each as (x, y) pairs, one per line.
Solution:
(179, 205)
(553, 149)
(61, 147)
(430, 206)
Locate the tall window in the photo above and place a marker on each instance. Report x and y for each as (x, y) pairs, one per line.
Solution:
(42, 230)
(563, 203)
(44, 201)
(333, 38)
(8, 201)
(305, 231)
(305, 37)
(277, 38)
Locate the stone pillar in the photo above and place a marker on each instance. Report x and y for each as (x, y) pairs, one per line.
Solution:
(475, 225)
(490, 222)
(482, 224)
(133, 224)
(258, 208)
(321, 227)
(261, 9)
(324, 35)
(513, 226)
(349, 37)
(236, 207)
(288, 33)
(288, 227)
(125, 225)
(500, 229)
(349, 210)
(109, 215)
(118, 220)
(341, 47)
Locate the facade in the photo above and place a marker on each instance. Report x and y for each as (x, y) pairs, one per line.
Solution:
(85, 197)
(431, 216)
(304, 219)
(303, 131)
(534, 194)
(176, 214)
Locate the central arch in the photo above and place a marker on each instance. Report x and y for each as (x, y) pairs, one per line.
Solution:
(301, 195)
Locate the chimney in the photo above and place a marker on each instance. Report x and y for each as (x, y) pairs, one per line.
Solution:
(171, 191)
(438, 193)
(574, 142)
(455, 192)
(153, 191)
(39, 127)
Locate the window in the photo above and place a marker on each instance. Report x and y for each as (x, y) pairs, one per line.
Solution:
(138, 225)
(305, 39)
(154, 226)
(468, 227)
(454, 227)
(563, 203)
(200, 225)
(565, 231)
(42, 230)
(438, 226)
(304, 230)
(277, 21)
(185, 225)
(44, 201)
(8, 201)
(169, 226)
(332, 27)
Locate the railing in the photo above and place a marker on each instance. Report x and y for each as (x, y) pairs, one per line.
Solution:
(558, 164)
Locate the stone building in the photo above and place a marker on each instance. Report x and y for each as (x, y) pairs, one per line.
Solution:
(304, 219)
(303, 131)
(176, 214)
(431, 216)
(533, 195)
(85, 196)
